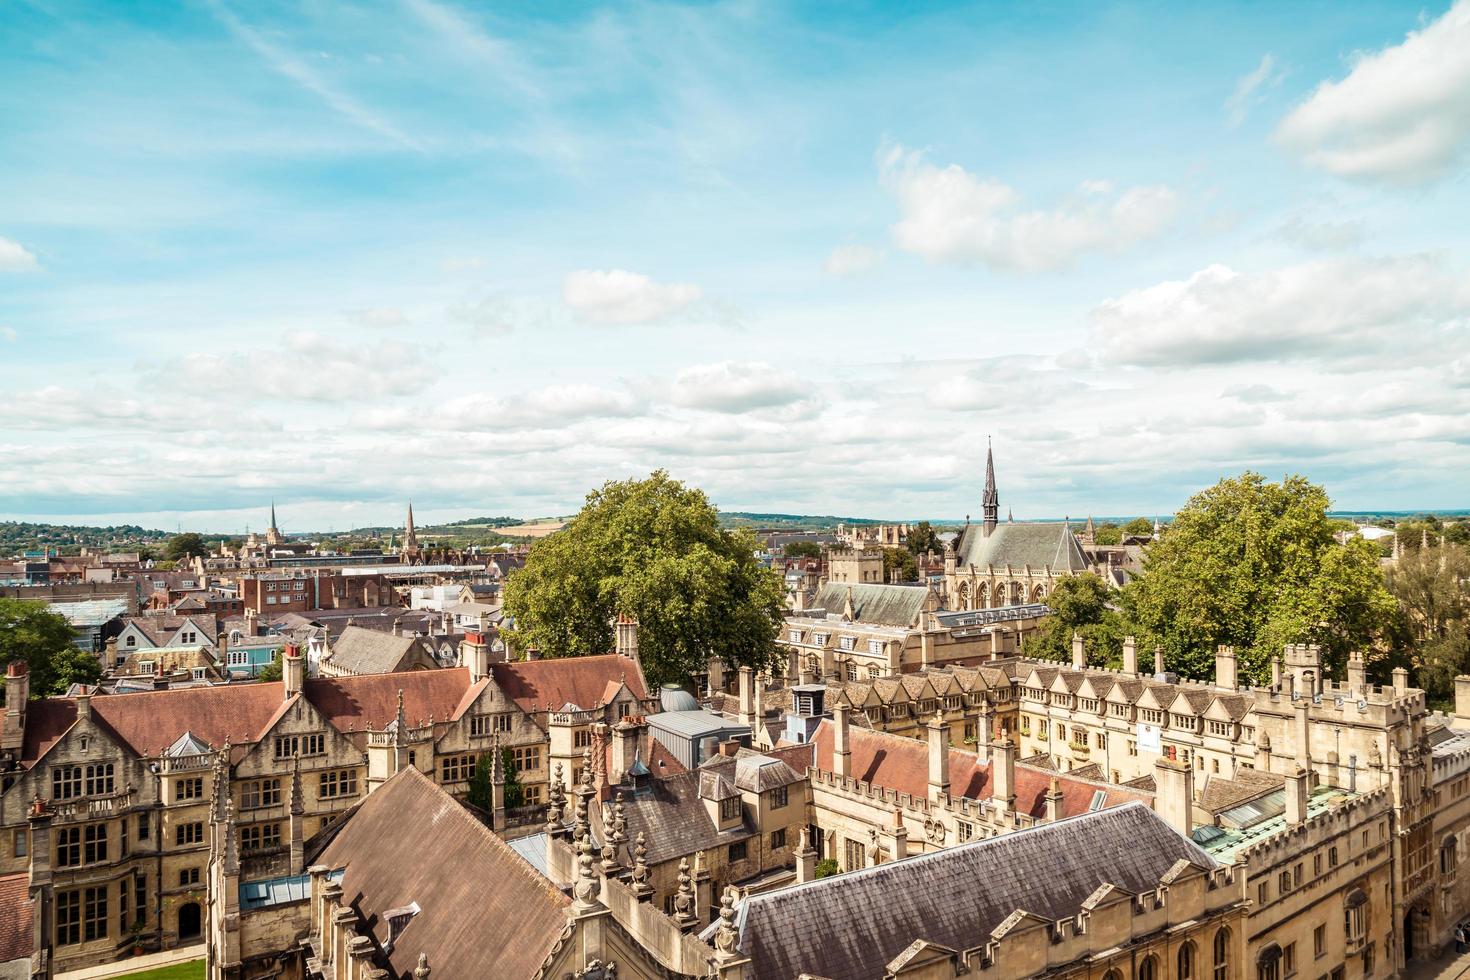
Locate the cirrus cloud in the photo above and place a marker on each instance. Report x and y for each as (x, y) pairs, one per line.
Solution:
(622, 297)
(1401, 115)
(949, 215)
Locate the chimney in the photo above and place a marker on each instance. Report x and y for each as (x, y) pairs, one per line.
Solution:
(1276, 672)
(938, 758)
(984, 728)
(841, 748)
(1304, 734)
(1079, 653)
(1357, 675)
(397, 626)
(17, 690)
(1158, 660)
(1462, 698)
(1174, 794)
(84, 704)
(806, 859)
(624, 749)
(1003, 774)
(1298, 784)
(1130, 655)
(626, 636)
(1400, 681)
(1054, 800)
(758, 705)
(1225, 668)
(747, 697)
(293, 671)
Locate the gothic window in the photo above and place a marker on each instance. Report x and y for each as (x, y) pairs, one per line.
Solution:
(1355, 918)
(1222, 955)
(1148, 969)
(1186, 962)
(1268, 963)
(964, 595)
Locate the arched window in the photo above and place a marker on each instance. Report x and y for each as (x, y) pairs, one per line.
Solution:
(1112, 975)
(1222, 955)
(1186, 962)
(1148, 969)
(1355, 919)
(1268, 963)
(964, 595)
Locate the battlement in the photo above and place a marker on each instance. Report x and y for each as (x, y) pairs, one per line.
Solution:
(1288, 841)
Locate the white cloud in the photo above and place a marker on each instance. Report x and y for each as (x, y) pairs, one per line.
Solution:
(1351, 308)
(1321, 236)
(947, 214)
(309, 366)
(1249, 90)
(734, 386)
(1401, 115)
(15, 258)
(852, 260)
(9, 335)
(379, 318)
(618, 296)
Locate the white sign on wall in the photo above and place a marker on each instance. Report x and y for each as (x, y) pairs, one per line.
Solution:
(1148, 739)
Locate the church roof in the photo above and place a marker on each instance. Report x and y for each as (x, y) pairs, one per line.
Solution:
(886, 605)
(956, 897)
(1017, 545)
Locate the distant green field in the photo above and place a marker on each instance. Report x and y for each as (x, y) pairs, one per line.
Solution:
(193, 970)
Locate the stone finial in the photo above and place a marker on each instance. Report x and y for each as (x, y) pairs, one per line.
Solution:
(620, 820)
(684, 898)
(587, 886)
(641, 873)
(421, 972)
(609, 841)
(556, 800)
(726, 934)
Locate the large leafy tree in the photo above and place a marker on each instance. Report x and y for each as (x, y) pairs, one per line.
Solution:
(899, 565)
(653, 550)
(922, 538)
(1255, 565)
(184, 546)
(1434, 598)
(1081, 604)
(31, 632)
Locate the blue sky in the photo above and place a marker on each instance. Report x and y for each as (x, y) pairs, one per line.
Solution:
(806, 257)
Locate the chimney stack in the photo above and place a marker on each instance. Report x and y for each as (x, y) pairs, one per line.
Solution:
(1225, 677)
(1357, 675)
(1079, 653)
(1158, 660)
(624, 749)
(841, 748)
(1003, 774)
(806, 859)
(1304, 734)
(17, 690)
(1400, 681)
(293, 671)
(1298, 785)
(1130, 655)
(938, 733)
(1462, 698)
(747, 696)
(1054, 800)
(1174, 794)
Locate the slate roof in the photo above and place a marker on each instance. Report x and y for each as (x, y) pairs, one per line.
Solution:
(1018, 545)
(886, 605)
(536, 685)
(1221, 794)
(409, 841)
(365, 651)
(957, 896)
(16, 910)
(902, 764)
(674, 819)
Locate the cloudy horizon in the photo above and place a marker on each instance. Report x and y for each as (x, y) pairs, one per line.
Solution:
(341, 258)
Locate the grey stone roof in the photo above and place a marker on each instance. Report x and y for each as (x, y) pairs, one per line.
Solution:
(756, 774)
(365, 651)
(886, 605)
(674, 820)
(1017, 545)
(955, 897)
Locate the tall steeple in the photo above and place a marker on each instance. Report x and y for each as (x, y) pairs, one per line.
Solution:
(990, 500)
(410, 537)
(273, 515)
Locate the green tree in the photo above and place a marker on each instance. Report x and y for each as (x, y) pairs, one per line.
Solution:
(479, 793)
(182, 547)
(827, 867)
(899, 565)
(1081, 604)
(1431, 589)
(922, 539)
(44, 640)
(653, 550)
(514, 795)
(1106, 533)
(801, 549)
(1138, 527)
(1254, 565)
(272, 670)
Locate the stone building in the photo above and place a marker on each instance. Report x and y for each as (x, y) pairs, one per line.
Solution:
(103, 799)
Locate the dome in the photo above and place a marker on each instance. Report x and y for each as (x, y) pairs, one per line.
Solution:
(676, 699)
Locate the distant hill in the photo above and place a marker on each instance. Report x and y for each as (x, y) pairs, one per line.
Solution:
(795, 522)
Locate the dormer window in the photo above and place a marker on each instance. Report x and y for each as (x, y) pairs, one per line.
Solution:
(730, 809)
(132, 641)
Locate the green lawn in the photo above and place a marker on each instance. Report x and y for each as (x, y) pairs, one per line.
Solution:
(193, 970)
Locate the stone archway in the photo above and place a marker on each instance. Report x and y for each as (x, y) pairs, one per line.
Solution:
(190, 925)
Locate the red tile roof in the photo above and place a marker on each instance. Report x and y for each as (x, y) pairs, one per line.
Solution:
(16, 908)
(356, 703)
(587, 682)
(902, 764)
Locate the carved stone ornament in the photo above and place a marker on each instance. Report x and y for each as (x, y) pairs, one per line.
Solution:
(597, 970)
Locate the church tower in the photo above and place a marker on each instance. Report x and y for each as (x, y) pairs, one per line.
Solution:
(990, 500)
(410, 537)
(274, 535)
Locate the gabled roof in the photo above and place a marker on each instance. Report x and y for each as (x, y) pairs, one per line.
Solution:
(1019, 545)
(365, 651)
(673, 818)
(884, 605)
(354, 704)
(957, 897)
(537, 685)
(409, 841)
(899, 763)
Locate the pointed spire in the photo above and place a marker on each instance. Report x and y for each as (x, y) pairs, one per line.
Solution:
(990, 499)
(273, 514)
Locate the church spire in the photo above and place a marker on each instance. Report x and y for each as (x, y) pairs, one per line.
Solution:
(273, 515)
(990, 500)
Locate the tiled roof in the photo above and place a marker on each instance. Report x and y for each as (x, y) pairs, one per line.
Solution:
(160, 629)
(16, 909)
(365, 651)
(673, 818)
(1019, 545)
(958, 896)
(1222, 794)
(902, 764)
(353, 704)
(536, 685)
(409, 841)
(885, 605)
